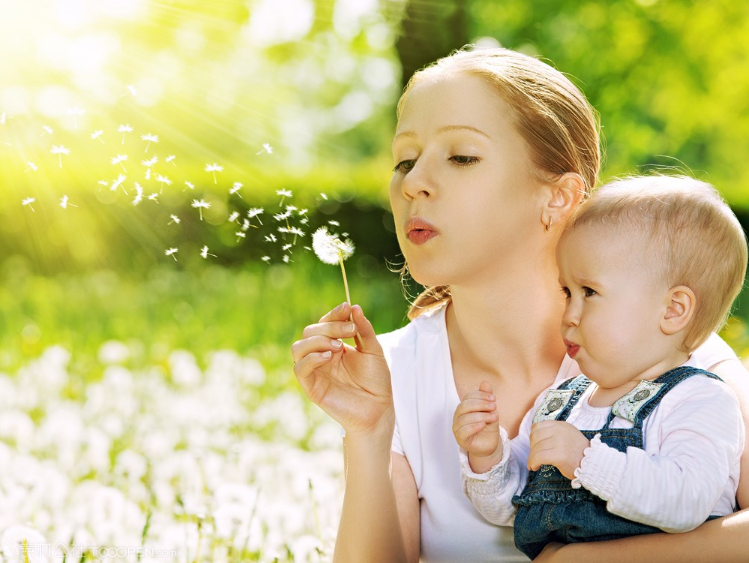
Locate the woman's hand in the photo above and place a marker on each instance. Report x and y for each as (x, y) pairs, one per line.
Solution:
(352, 385)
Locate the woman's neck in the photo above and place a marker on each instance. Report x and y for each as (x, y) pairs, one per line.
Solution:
(510, 325)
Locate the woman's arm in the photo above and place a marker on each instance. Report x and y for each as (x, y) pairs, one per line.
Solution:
(725, 540)
(370, 528)
(352, 385)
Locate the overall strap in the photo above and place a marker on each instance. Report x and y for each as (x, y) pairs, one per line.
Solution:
(558, 403)
(637, 405)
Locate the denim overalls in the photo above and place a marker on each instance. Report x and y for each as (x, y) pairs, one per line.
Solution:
(549, 509)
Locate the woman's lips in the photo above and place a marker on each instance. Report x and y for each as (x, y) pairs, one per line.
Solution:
(420, 231)
(572, 348)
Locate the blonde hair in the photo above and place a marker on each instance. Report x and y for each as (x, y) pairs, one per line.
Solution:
(554, 118)
(695, 240)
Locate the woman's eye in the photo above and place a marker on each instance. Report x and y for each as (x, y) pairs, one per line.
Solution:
(464, 160)
(589, 292)
(404, 166)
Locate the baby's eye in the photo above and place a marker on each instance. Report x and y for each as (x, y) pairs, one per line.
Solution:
(464, 160)
(566, 292)
(589, 292)
(404, 166)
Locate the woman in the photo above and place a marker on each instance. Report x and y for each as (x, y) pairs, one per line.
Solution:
(492, 152)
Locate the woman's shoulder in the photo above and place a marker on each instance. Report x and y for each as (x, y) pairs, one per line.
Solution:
(404, 345)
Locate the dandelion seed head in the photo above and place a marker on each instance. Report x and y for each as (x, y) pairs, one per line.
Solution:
(322, 195)
(233, 217)
(154, 197)
(32, 166)
(284, 193)
(271, 238)
(285, 247)
(163, 180)
(334, 223)
(213, 167)
(150, 162)
(240, 234)
(75, 111)
(254, 212)
(150, 137)
(296, 231)
(198, 203)
(329, 248)
(97, 134)
(175, 219)
(286, 259)
(28, 201)
(190, 185)
(124, 129)
(170, 158)
(59, 149)
(119, 158)
(245, 224)
(48, 129)
(265, 259)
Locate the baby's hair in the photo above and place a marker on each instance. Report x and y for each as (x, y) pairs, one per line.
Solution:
(559, 126)
(695, 240)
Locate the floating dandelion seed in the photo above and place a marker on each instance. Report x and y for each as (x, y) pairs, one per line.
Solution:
(331, 250)
(119, 159)
(334, 223)
(322, 195)
(200, 204)
(118, 182)
(235, 189)
(240, 235)
(28, 201)
(131, 88)
(246, 224)
(32, 166)
(138, 194)
(286, 259)
(297, 232)
(97, 135)
(304, 221)
(60, 150)
(149, 138)
(163, 180)
(283, 194)
(233, 217)
(285, 247)
(75, 112)
(148, 163)
(265, 259)
(64, 202)
(103, 183)
(47, 129)
(204, 252)
(266, 148)
(175, 220)
(154, 197)
(170, 158)
(172, 252)
(270, 238)
(303, 212)
(124, 129)
(255, 212)
(189, 185)
(213, 168)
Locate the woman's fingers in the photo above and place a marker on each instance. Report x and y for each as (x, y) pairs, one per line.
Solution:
(366, 340)
(314, 344)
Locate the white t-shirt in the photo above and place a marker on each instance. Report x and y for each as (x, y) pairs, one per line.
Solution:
(687, 470)
(425, 399)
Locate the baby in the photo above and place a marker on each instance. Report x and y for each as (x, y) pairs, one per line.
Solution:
(646, 440)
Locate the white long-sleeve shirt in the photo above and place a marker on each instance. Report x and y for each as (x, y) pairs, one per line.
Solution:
(687, 470)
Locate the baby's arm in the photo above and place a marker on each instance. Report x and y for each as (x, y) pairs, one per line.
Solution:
(490, 487)
(700, 437)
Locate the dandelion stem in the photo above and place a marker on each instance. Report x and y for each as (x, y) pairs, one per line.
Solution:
(345, 280)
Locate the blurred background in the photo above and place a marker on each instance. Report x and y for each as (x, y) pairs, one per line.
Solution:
(150, 151)
(294, 95)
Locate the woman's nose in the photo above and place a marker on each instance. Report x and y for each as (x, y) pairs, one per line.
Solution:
(418, 181)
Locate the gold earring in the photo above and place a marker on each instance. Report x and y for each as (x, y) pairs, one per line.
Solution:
(548, 226)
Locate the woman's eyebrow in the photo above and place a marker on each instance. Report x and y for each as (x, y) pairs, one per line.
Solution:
(443, 130)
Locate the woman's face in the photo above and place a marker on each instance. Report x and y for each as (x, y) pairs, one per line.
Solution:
(466, 204)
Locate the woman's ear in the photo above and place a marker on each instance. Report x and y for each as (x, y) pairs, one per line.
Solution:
(680, 304)
(561, 198)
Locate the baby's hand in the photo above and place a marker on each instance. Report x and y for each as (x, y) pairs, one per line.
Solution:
(476, 428)
(557, 443)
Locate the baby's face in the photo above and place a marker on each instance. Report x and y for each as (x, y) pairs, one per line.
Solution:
(611, 323)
